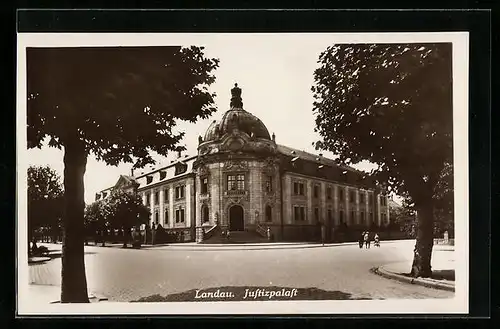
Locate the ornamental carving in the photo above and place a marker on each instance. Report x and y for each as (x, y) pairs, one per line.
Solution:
(203, 170)
(235, 166)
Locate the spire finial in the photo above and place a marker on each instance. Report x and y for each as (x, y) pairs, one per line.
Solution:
(236, 97)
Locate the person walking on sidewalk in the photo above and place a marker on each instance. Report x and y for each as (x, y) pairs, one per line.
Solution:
(367, 240)
(377, 240)
(361, 240)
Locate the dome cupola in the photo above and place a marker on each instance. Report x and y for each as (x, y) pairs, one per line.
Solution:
(236, 118)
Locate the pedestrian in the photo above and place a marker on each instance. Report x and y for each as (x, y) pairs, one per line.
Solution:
(367, 240)
(377, 240)
(361, 240)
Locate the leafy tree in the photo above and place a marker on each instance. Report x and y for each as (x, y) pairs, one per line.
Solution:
(391, 104)
(45, 193)
(403, 218)
(97, 217)
(127, 211)
(117, 103)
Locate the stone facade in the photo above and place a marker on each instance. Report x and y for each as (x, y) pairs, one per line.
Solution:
(241, 179)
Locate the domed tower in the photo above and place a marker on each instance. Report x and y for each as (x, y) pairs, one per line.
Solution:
(237, 170)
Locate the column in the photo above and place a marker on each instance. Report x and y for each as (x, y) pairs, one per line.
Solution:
(377, 200)
(347, 210)
(309, 194)
(152, 200)
(188, 204)
(198, 215)
(356, 200)
(162, 211)
(367, 207)
(171, 207)
(336, 210)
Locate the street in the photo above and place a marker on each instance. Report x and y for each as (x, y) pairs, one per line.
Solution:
(128, 274)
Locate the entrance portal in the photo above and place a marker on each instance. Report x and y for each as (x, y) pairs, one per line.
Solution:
(236, 222)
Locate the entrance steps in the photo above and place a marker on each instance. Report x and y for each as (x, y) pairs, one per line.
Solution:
(236, 237)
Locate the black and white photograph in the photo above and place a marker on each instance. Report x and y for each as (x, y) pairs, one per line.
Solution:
(242, 173)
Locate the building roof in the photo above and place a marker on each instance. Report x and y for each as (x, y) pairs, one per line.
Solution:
(290, 151)
(236, 118)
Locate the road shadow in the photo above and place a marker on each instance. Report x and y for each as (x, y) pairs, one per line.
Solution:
(249, 293)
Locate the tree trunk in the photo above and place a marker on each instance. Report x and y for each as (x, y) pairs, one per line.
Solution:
(421, 266)
(73, 279)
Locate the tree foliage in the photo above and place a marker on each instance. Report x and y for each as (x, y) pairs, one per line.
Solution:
(45, 197)
(97, 215)
(390, 105)
(127, 210)
(119, 101)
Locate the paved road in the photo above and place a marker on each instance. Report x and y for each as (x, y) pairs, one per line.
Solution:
(127, 274)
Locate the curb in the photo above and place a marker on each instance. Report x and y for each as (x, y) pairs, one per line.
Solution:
(418, 281)
(92, 299)
(38, 260)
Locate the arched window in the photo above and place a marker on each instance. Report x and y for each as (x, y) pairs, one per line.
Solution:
(204, 214)
(269, 214)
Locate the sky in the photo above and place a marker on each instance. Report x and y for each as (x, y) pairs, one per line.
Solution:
(275, 73)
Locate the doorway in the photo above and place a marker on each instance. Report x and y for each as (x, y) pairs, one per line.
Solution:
(236, 222)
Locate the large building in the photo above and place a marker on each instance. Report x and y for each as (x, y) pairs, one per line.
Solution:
(242, 180)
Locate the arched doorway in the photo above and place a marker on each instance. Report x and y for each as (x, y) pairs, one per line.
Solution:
(236, 222)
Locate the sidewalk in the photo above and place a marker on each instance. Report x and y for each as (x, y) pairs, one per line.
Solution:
(49, 294)
(193, 246)
(443, 270)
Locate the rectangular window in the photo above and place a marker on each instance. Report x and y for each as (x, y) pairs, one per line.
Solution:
(341, 194)
(362, 217)
(179, 192)
(298, 188)
(204, 185)
(149, 179)
(148, 199)
(352, 197)
(165, 195)
(299, 213)
(163, 174)
(370, 199)
(166, 216)
(179, 215)
(236, 182)
(329, 215)
(316, 191)
(361, 197)
(157, 218)
(316, 214)
(157, 199)
(353, 218)
(269, 184)
(329, 193)
(341, 216)
(371, 217)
